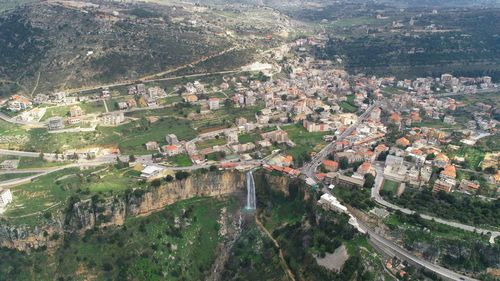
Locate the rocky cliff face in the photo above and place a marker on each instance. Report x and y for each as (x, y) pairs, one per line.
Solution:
(99, 212)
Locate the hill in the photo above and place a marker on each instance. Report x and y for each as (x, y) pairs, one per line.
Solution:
(56, 45)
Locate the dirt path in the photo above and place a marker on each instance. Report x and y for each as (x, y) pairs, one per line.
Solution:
(275, 242)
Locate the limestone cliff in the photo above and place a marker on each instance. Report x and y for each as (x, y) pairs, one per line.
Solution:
(99, 212)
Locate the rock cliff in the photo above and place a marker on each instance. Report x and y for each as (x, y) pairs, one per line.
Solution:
(99, 212)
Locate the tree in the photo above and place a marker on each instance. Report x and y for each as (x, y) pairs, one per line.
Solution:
(369, 180)
(131, 158)
(490, 170)
(156, 183)
(343, 163)
(430, 156)
(181, 175)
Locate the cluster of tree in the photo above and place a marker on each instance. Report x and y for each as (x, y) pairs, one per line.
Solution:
(180, 175)
(459, 207)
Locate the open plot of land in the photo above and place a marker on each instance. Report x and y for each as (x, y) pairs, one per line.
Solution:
(129, 137)
(63, 111)
(36, 162)
(436, 123)
(181, 160)
(12, 136)
(224, 117)
(211, 143)
(249, 137)
(473, 156)
(305, 142)
(49, 193)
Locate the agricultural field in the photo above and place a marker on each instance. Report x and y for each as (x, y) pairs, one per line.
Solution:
(438, 124)
(36, 162)
(13, 136)
(473, 156)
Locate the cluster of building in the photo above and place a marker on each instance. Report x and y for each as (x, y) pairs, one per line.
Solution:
(144, 97)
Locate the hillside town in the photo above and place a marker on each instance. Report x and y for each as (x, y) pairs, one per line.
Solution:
(393, 141)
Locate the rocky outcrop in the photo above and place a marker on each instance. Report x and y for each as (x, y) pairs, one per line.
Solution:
(99, 212)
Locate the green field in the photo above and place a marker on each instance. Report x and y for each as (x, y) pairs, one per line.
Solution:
(181, 160)
(6, 177)
(129, 137)
(224, 117)
(436, 123)
(349, 106)
(11, 130)
(210, 143)
(390, 186)
(49, 193)
(36, 162)
(87, 107)
(249, 137)
(473, 156)
(305, 142)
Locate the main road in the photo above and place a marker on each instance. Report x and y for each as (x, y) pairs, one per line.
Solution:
(391, 249)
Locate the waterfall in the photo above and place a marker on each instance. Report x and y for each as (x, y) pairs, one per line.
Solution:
(251, 200)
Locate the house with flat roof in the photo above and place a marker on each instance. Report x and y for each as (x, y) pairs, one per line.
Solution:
(10, 164)
(5, 197)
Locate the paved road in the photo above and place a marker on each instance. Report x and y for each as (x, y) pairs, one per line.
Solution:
(375, 194)
(15, 182)
(391, 249)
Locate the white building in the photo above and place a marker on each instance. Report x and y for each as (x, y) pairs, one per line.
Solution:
(112, 119)
(9, 164)
(5, 197)
(213, 103)
(151, 171)
(56, 123)
(332, 203)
